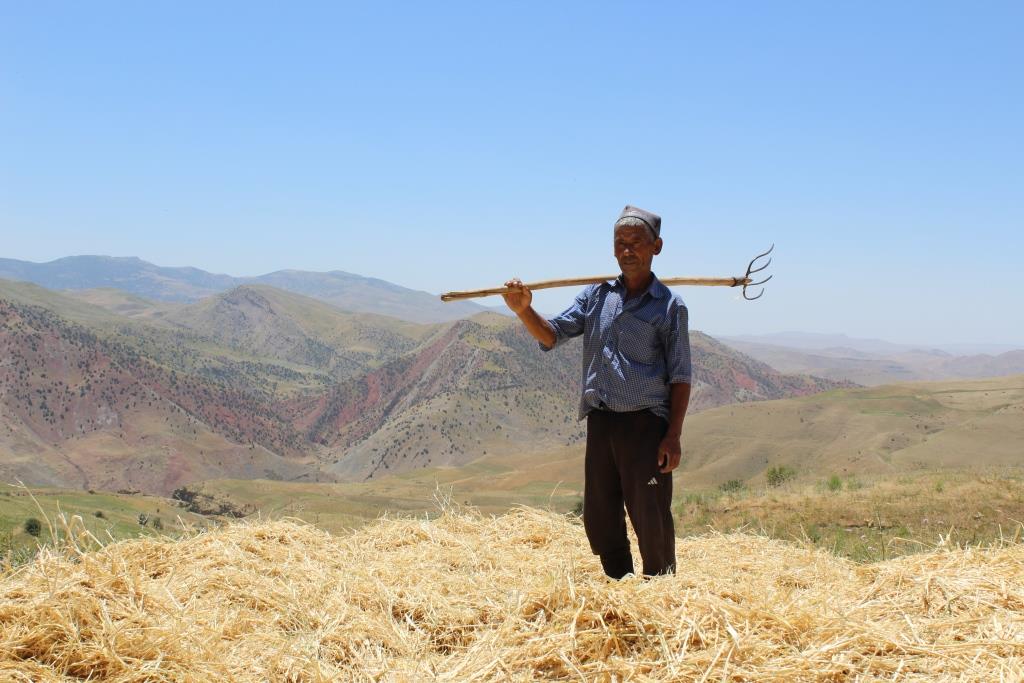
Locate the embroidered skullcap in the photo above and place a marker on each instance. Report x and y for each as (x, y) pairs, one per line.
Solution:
(651, 220)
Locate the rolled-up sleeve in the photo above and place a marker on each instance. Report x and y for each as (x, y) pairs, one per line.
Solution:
(677, 345)
(569, 323)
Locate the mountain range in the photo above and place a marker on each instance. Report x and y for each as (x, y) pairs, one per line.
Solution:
(132, 275)
(873, 362)
(106, 389)
(816, 341)
(100, 279)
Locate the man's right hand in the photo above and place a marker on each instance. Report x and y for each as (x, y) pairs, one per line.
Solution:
(520, 300)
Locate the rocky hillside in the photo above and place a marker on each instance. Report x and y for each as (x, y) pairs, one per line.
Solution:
(257, 382)
(271, 323)
(81, 409)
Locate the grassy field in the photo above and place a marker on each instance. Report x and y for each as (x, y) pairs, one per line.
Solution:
(870, 519)
(105, 515)
(493, 485)
(864, 519)
(867, 519)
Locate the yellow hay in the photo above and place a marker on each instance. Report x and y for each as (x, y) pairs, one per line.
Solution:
(516, 597)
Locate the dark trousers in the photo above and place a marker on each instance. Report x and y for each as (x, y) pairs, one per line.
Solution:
(621, 466)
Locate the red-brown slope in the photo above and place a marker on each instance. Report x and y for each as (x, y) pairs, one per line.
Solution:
(722, 376)
(89, 400)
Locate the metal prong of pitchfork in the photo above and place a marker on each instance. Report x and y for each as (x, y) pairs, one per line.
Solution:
(751, 269)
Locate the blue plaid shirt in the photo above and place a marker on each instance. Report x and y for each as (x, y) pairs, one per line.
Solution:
(632, 350)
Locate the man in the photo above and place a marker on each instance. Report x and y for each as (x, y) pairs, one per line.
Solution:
(636, 388)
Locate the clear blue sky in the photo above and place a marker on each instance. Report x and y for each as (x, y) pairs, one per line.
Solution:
(441, 146)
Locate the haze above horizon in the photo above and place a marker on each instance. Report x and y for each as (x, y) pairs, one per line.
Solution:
(439, 147)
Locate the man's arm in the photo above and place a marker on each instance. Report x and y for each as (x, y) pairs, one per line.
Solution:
(538, 327)
(677, 347)
(549, 333)
(670, 450)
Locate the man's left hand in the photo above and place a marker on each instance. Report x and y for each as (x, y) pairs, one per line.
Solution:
(669, 453)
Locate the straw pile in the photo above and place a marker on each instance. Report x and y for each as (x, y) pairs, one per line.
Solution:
(517, 597)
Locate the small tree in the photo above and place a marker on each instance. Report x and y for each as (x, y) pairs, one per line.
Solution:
(33, 527)
(779, 475)
(143, 519)
(732, 486)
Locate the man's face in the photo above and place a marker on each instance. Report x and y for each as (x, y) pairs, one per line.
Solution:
(635, 249)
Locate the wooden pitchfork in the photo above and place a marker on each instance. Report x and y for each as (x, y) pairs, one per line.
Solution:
(745, 281)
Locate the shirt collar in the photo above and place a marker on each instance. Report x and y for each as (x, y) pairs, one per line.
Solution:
(656, 289)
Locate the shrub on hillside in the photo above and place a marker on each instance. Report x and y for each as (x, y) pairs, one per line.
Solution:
(33, 527)
(732, 486)
(834, 483)
(780, 474)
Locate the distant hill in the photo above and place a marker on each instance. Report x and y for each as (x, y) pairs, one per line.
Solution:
(816, 341)
(290, 328)
(261, 383)
(368, 295)
(121, 302)
(896, 364)
(885, 429)
(143, 279)
(128, 274)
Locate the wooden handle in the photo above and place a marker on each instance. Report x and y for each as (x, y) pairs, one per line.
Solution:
(548, 284)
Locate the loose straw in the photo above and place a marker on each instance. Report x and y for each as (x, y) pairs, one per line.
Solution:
(517, 597)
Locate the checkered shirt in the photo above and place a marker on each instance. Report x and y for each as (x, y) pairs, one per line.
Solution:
(632, 350)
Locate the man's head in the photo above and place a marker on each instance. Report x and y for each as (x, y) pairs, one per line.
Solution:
(637, 240)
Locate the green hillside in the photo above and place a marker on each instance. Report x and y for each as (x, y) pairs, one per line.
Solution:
(104, 515)
(122, 303)
(879, 430)
(271, 323)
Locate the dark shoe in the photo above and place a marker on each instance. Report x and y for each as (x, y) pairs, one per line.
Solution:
(671, 569)
(618, 564)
